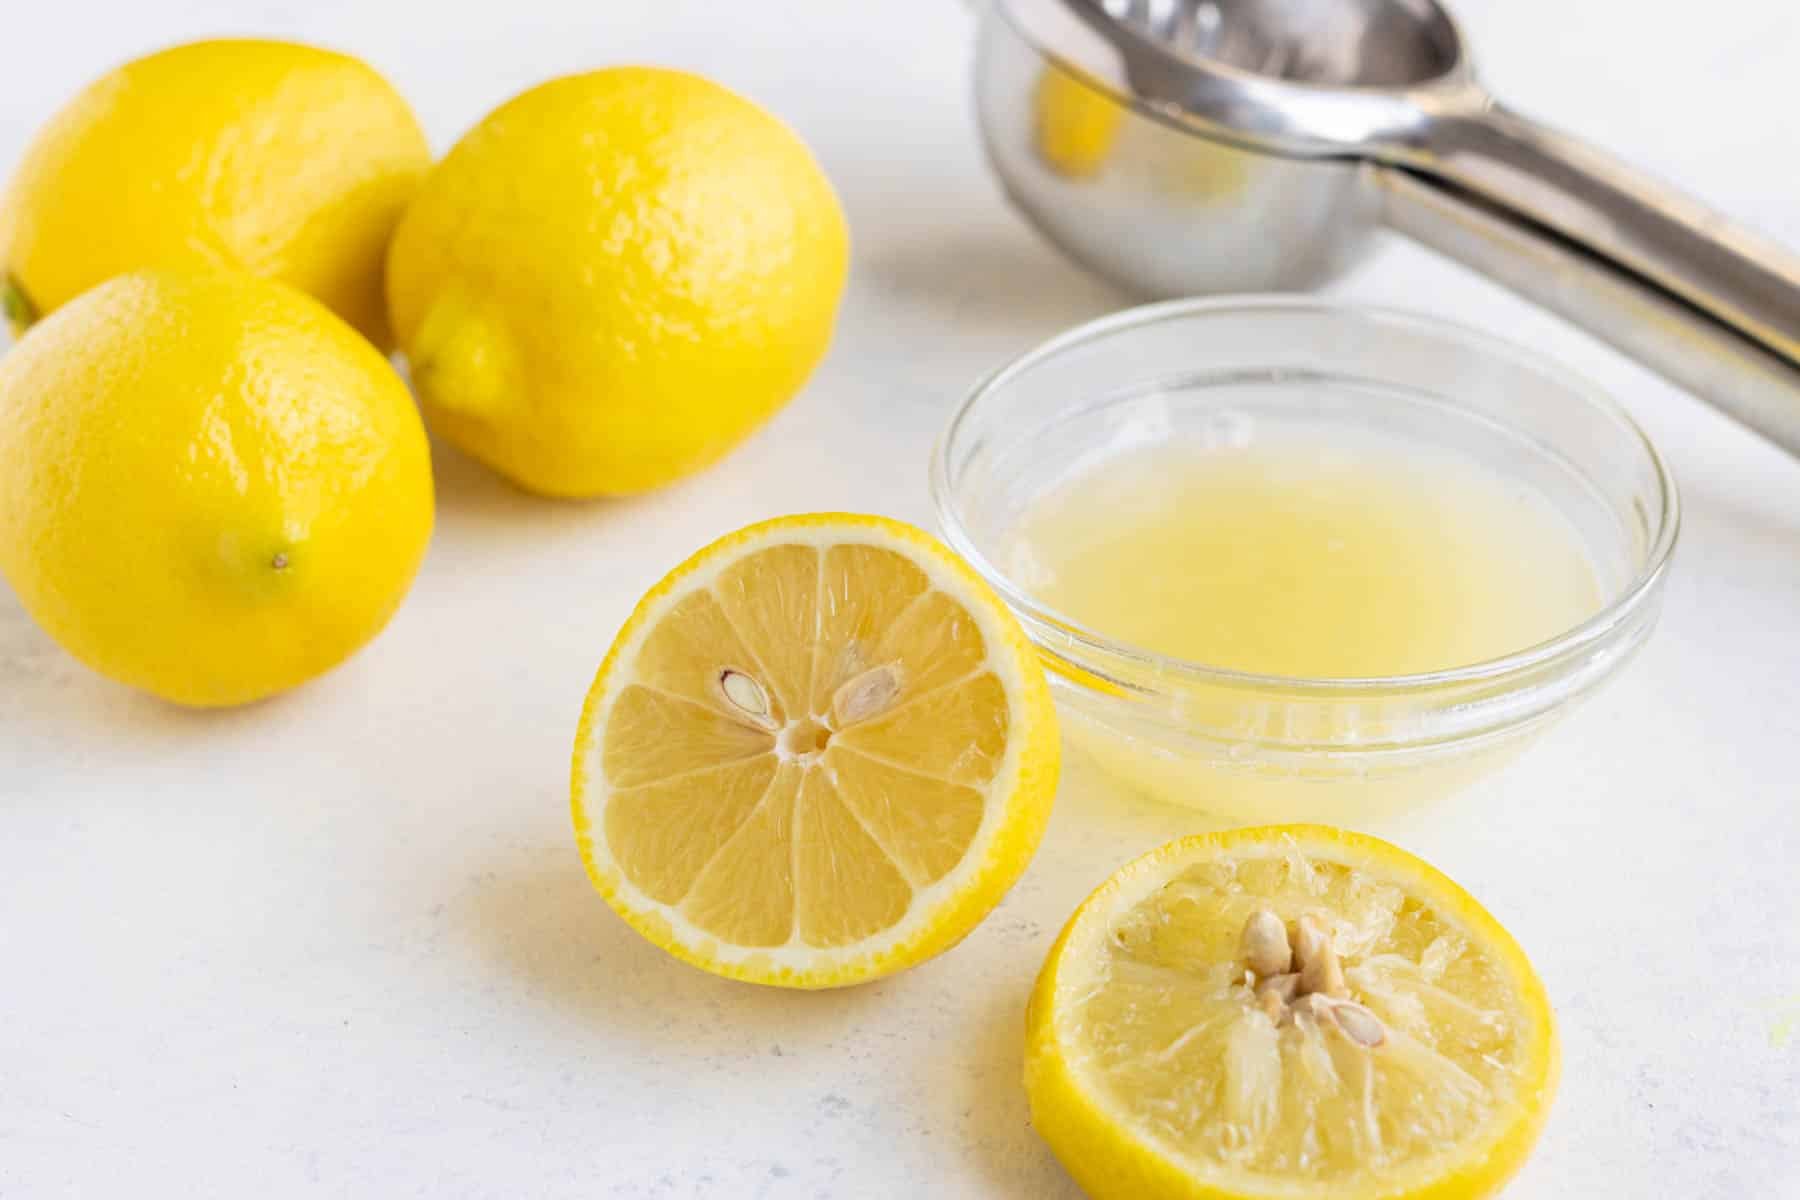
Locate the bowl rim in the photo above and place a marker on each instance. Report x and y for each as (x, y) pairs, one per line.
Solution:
(1597, 628)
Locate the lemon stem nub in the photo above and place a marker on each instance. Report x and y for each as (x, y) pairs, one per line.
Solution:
(463, 359)
(16, 306)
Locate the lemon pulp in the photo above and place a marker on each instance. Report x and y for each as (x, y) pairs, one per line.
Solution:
(1296, 1101)
(1147, 1037)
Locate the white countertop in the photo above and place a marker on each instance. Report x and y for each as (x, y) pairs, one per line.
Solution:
(341, 943)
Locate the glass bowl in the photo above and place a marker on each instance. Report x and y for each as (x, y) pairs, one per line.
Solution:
(1267, 747)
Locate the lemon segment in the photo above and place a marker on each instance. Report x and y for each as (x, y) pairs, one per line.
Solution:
(818, 752)
(1408, 1052)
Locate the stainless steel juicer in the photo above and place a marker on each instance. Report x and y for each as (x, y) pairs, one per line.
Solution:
(1257, 144)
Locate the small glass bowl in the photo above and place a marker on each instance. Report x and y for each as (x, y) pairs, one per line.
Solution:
(1264, 747)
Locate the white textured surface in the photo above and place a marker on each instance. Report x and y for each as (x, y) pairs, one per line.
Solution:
(340, 944)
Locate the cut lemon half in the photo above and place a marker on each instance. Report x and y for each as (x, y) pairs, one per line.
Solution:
(1290, 1011)
(819, 751)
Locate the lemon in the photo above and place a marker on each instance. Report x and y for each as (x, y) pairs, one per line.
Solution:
(286, 161)
(210, 487)
(1289, 1011)
(1074, 123)
(614, 278)
(1077, 127)
(818, 752)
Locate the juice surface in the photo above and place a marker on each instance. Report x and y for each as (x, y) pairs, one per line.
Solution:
(1363, 556)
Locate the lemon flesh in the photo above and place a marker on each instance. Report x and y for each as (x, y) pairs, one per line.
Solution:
(286, 161)
(210, 487)
(614, 278)
(1153, 1071)
(818, 752)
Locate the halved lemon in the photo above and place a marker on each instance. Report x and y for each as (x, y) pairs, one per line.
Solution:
(1289, 1011)
(819, 751)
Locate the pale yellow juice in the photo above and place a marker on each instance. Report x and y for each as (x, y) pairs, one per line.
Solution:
(1308, 560)
(1354, 558)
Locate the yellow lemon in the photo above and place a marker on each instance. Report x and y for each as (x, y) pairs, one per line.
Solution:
(286, 161)
(1075, 123)
(614, 278)
(1290, 1011)
(210, 487)
(818, 752)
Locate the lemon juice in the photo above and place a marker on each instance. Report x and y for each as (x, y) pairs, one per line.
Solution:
(1308, 559)
(1353, 556)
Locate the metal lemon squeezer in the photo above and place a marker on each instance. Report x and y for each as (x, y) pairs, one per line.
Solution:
(1251, 145)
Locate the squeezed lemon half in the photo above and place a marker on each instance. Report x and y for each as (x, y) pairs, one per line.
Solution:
(819, 751)
(1288, 1011)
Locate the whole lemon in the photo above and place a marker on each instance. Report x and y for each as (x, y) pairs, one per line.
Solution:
(614, 278)
(286, 161)
(210, 487)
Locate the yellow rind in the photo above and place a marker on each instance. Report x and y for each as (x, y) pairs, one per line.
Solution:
(1021, 826)
(1112, 1161)
(614, 278)
(212, 488)
(287, 161)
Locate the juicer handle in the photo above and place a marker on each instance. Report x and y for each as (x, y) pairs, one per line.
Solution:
(1709, 304)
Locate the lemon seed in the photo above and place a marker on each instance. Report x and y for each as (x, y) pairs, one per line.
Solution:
(1358, 1023)
(1265, 944)
(865, 696)
(1324, 974)
(746, 695)
(1286, 987)
(1315, 1006)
